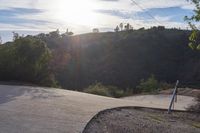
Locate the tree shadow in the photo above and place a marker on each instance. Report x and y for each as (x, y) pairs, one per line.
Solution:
(10, 93)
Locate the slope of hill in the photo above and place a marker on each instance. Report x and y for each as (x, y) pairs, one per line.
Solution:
(123, 59)
(119, 59)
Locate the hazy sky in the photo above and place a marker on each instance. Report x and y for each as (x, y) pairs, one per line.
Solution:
(81, 16)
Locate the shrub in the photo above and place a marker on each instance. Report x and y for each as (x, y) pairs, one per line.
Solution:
(26, 60)
(129, 92)
(150, 85)
(97, 89)
(164, 86)
(115, 92)
(109, 91)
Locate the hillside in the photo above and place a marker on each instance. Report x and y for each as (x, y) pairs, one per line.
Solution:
(119, 59)
(123, 59)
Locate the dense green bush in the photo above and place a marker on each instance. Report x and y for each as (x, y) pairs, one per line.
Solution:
(100, 89)
(152, 85)
(165, 86)
(115, 92)
(26, 60)
(149, 85)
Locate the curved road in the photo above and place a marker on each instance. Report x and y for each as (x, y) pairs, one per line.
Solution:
(26, 109)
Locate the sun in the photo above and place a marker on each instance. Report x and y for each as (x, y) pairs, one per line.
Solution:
(80, 12)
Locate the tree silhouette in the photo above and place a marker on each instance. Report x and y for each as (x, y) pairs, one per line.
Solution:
(95, 30)
(116, 29)
(68, 33)
(128, 27)
(15, 36)
(0, 40)
(121, 25)
(195, 39)
(195, 35)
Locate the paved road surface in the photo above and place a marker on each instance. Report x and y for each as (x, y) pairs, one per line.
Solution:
(26, 109)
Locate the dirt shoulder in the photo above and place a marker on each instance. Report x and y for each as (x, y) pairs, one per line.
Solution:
(143, 120)
(182, 91)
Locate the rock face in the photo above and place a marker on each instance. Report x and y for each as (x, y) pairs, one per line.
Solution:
(35, 109)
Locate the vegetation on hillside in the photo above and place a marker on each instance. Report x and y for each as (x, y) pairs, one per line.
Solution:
(194, 39)
(150, 85)
(26, 59)
(109, 91)
(119, 59)
(192, 21)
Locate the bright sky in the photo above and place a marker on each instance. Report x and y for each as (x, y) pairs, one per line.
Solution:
(81, 16)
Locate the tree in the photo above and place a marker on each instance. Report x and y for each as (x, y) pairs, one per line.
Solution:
(195, 39)
(31, 60)
(15, 36)
(128, 27)
(195, 35)
(150, 85)
(70, 33)
(161, 27)
(141, 28)
(116, 29)
(27, 60)
(121, 26)
(0, 40)
(67, 33)
(95, 30)
(55, 34)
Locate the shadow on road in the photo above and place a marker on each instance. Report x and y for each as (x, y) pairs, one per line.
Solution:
(10, 93)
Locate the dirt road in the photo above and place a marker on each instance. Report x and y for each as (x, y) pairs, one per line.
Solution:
(26, 109)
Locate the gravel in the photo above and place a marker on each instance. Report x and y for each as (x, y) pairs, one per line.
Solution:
(143, 120)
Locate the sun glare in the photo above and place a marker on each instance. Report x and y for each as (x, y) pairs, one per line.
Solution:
(79, 12)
